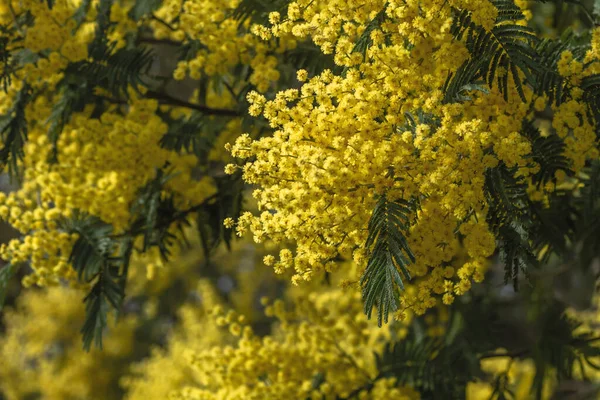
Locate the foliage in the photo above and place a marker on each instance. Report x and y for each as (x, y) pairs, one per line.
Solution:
(389, 252)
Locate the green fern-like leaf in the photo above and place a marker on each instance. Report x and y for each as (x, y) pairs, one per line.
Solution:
(547, 152)
(389, 257)
(92, 257)
(591, 94)
(228, 203)
(258, 10)
(106, 295)
(74, 93)
(116, 71)
(562, 349)
(309, 57)
(142, 8)
(6, 274)
(549, 81)
(13, 132)
(364, 41)
(93, 247)
(509, 218)
(516, 252)
(507, 45)
(506, 195)
(588, 210)
(195, 134)
(426, 365)
(5, 57)
(155, 214)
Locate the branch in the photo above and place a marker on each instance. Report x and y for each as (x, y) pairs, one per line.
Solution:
(163, 22)
(166, 99)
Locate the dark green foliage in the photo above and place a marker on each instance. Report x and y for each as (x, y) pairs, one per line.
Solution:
(412, 120)
(516, 252)
(549, 81)
(506, 196)
(514, 48)
(588, 212)
(195, 134)
(106, 294)
(74, 92)
(547, 152)
(258, 10)
(115, 71)
(389, 254)
(459, 84)
(154, 215)
(6, 274)
(560, 349)
(92, 258)
(309, 57)
(507, 45)
(364, 41)
(438, 370)
(93, 248)
(554, 228)
(80, 14)
(13, 132)
(509, 219)
(591, 94)
(6, 57)
(141, 8)
(227, 203)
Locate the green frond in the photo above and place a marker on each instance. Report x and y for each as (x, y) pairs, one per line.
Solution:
(228, 203)
(92, 258)
(364, 41)
(258, 10)
(106, 295)
(554, 228)
(459, 84)
(424, 364)
(74, 93)
(509, 219)
(547, 152)
(562, 350)
(93, 247)
(413, 119)
(549, 81)
(142, 8)
(309, 57)
(507, 11)
(389, 256)
(6, 56)
(591, 94)
(508, 46)
(155, 214)
(115, 71)
(516, 252)
(195, 134)
(81, 12)
(13, 132)
(506, 195)
(6, 274)
(588, 208)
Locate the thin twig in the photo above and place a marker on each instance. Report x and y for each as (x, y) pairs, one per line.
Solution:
(166, 99)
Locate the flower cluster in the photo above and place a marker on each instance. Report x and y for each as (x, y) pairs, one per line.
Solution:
(384, 127)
